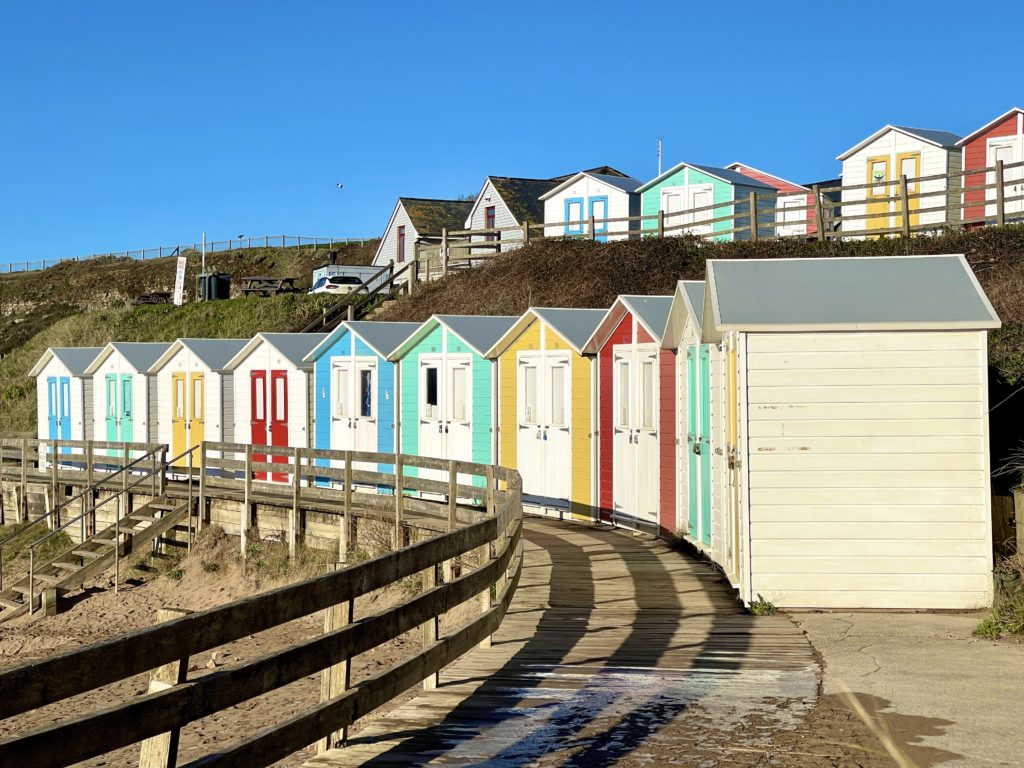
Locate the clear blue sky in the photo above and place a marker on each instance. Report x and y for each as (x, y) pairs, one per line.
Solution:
(129, 124)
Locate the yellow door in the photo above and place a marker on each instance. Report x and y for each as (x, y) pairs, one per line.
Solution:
(909, 164)
(878, 193)
(197, 411)
(179, 400)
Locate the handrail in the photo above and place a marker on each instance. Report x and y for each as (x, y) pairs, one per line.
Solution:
(344, 301)
(46, 516)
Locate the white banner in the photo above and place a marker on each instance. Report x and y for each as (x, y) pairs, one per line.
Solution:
(179, 282)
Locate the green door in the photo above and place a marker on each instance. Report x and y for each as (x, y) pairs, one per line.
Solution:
(127, 416)
(693, 457)
(111, 410)
(705, 442)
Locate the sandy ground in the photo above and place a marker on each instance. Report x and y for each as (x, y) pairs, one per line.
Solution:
(98, 613)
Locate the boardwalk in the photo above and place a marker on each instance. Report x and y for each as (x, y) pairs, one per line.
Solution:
(616, 651)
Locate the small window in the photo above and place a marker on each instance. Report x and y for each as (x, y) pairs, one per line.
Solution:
(341, 393)
(179, 398)
(623, 410)
(197, 399)
(280, 399)
(558, 396)
(460, 411)
(259, 408)
(126, 397)
(879, 172)
(53, 399)
(530, 394)
(490, 220)
(574, 216)
(111, 398)
(647, 393)
(366, 393)
(431, 411)
(401, 245)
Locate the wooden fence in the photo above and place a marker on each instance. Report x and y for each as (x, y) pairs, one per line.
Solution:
(909, 208)
(481, 506)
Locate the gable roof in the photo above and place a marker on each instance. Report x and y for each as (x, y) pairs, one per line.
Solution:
(626, 184)
(943, 139)
(214, 353)
(650, 311)
(988, 126)
(430, 216)
(722, 174)
(382, 337)
(573, 325)
(604, 170)
(688, 302)
(851, 293)
(292, 346)
(76, 359)
(139, 355)
(783, 183)
(522, 196)
(478, 331)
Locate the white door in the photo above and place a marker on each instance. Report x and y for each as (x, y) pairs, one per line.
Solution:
(700, 196)
(432, 417)
(789, 221)
(458, 427)
(636, 492)
(623, 459)
(673, 203)
(529, 427)
(1009, 151)
(557, 428)
(364, 410)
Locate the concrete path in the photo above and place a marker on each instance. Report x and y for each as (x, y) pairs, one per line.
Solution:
(613, 648)
(928, 667)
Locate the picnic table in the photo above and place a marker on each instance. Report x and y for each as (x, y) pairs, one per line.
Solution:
(153, 297)
(264, 285)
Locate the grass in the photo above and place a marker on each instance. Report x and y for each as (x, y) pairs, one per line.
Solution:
(269, 560)
(1007, 617)
(762, 607)
(16, 552)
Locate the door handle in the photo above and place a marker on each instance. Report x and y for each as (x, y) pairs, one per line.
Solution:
(440, 428)
(696, 448)
(446, 429)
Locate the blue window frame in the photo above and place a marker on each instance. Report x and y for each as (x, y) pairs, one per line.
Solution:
(574, 216)
(598, 210)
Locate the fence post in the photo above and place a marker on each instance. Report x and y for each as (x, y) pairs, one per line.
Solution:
(293, 519)
(399, 502)
(243, 527)
(430, 626)
(661, 222)
(162, 751)
(350, 312)
(453, 500)
(1000, 195)
(753, 216)
(444, 251)
(904, 206)
(526, 232)
(23, 511)
(337, 678)
(592, 229)
(54, 450)
(485, 551)
(346, 523)
(819, 212)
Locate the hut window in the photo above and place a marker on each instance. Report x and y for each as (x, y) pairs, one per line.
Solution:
(530, 394)
(341, 394)
(179, 398)
(280, 399)
(197, 399)
(126, 397)
(558, 396)
(430, 410)
(623, 409)
(489, 222)
(879, 172)
(459, 410)
(647, 393)
(366, 393)
(401, 244)
(111, 398)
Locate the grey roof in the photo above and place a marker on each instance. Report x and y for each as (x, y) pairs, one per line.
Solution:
(141, 355)
(385, 338)
(479, 331)
(847, 293)
(294, 346)
(725, 174)
(574, 325)
(942, 138)
(76, 359)
(215, 353)
(652, 310)
(626, 184)
(694, 290)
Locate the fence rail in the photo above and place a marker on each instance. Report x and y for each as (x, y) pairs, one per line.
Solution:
(215, 246)
(477, 556)
(905, 206)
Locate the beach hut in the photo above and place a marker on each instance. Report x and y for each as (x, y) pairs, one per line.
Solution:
(636, 415)
(447, 389)
(355, 387)
(196, 400)
(872, 170)
(507, 202)
(794, 215)
(1001, 140)
(570, 205)
(857, 420)
(546, 408)
(271, 391)
(124, 392)
(64, 393)
(416, 220)
(684, 192)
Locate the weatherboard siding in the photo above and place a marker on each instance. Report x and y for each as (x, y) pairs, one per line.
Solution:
(620, 205)
(502, 218)
(975, 155)
(387, 251)
(868, 493)
(623, 334)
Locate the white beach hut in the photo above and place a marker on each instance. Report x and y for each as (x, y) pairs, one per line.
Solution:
(124, 393)
(63, 393)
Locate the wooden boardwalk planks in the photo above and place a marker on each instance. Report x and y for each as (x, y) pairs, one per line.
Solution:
(611, 641)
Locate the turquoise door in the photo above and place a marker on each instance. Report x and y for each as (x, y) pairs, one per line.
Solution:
(127, 417)
(704, 374)
(692, 444)
(52, 418)
(110, 407)
(64, 420)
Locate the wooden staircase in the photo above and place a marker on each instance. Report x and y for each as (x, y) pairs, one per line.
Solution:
(72, 568)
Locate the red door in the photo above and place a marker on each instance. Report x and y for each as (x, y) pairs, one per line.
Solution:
(279, 418)
(258, 415)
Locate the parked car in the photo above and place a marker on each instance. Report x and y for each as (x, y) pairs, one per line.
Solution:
(338, 284)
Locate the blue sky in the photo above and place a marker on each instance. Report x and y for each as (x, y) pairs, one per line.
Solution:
(131, 124)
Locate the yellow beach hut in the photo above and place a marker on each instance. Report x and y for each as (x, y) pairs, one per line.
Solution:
(546, 408)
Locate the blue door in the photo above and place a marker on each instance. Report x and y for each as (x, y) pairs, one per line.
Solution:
(598, 211)
(64, 420)
(52, 408)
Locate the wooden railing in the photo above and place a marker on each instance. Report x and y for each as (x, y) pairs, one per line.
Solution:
(827, 213)
(355, 305)
(484, 528)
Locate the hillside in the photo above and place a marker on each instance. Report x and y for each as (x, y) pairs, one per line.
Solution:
(579, 273)
(32, 301)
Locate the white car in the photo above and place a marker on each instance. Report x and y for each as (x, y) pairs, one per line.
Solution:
(337, 284)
